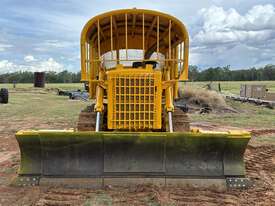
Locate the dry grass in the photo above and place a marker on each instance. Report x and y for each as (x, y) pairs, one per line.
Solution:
(203, 97)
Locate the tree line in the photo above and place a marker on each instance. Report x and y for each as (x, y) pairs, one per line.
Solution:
(50, 77)
(195, 74)
(265, 73)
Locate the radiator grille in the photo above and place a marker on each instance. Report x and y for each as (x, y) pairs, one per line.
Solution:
(134, 101)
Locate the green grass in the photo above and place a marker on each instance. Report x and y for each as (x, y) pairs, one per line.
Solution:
(68, 86)
(226, 86)
(234, 87)
(249, 115)
(238, 120)
(42, 105)
(31, 104)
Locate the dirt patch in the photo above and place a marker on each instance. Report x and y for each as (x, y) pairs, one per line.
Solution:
(260, 132)
(4, 156)
(212, 126)
(10, 160)
(62, 197)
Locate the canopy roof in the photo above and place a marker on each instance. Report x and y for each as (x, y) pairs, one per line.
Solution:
(134, 29)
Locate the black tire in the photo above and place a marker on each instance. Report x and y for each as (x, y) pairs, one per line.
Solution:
(4, 96)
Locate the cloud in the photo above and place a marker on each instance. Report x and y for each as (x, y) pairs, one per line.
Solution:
(260, 17)
(5, 66)
(3, 47)
(51, 65)
(221, 26)
(29, 58)
(57, 44)
(46, 65)
(228, 37)
(218, 29)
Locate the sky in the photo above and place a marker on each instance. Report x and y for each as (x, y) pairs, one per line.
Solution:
(43, 35)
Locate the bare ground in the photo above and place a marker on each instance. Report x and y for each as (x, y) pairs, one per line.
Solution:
(259, 158)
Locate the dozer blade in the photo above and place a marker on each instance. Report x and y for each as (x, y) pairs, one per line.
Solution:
(196, 154)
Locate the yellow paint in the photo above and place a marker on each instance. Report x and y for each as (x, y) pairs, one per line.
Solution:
(194, 133)
(100, 93)
(145, 30)
(134, 98)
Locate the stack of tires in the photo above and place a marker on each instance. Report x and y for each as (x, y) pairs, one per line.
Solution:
(4, 96)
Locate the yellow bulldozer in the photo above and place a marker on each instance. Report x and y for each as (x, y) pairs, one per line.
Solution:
(132, 62)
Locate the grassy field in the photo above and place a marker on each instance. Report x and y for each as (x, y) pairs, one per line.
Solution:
(27, 102)
(70, 86)
(234, 87)
(33, 104)
(248, 117)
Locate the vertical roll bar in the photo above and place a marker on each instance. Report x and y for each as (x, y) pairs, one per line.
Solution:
(111, 34)
(98, 39)
(169, 36)
(126, 35)
(158, 38)
(143, 47)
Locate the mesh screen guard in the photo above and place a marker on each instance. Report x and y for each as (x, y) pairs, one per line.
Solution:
(134, 99)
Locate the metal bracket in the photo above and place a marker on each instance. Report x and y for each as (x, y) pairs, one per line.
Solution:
(168, 83)
(28, 181)
(238, 183)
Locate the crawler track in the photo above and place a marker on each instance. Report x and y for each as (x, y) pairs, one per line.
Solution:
(87, 120)
(181, 121)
